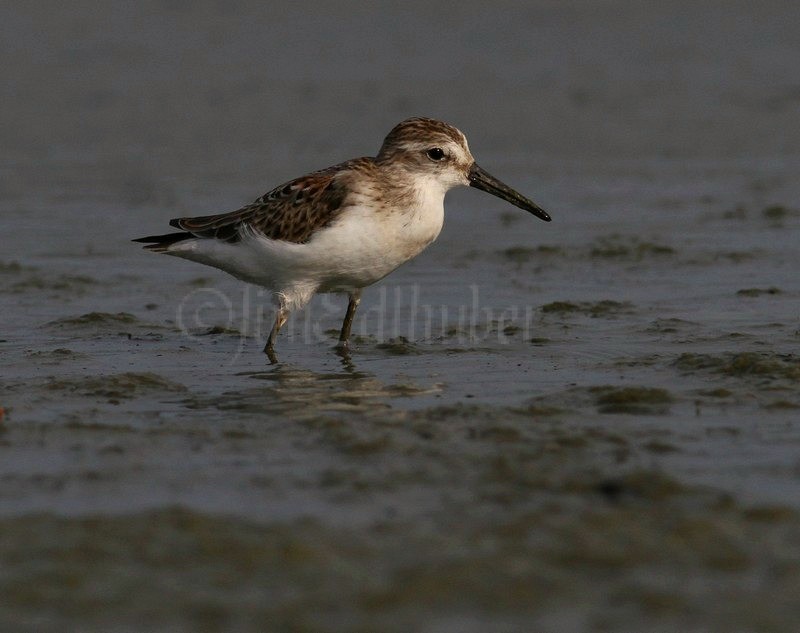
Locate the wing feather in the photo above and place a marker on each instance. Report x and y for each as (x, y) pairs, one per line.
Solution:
(292, 212)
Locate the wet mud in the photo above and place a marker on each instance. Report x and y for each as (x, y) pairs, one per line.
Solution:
(590, 425)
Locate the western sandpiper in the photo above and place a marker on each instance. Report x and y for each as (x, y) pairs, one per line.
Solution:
(342, 228)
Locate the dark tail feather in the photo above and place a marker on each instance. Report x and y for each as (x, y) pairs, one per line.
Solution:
(160, 243)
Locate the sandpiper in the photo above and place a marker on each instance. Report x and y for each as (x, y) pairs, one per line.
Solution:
(342, 228)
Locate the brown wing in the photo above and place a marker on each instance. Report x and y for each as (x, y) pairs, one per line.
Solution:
(291, 212)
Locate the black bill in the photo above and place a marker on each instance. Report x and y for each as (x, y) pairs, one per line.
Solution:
(484, 181)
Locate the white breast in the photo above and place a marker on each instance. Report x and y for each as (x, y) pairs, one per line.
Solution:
(368, 243)
(364, 245)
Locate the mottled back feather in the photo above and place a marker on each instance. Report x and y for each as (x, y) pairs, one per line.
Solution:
(296, 210)
(292, 212)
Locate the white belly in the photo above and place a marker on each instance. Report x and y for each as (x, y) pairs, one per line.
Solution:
(364, 248)
(360, 248)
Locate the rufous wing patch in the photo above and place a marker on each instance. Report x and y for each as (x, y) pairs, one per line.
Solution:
(292, 212)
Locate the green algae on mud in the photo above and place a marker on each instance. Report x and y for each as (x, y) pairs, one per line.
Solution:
(115, 386)
(628, 248)
(641, 535)
(95, 319)
(108, 324)
(776, 213)
(671, 326)
(216, 330)
(602, 308)
(647, 400)
(606, 399)
(74, 285)
(59, 353)
(524, 254)
(757, 292)
(614, 247)
(15, 268)
(743, 364)
(398, 346)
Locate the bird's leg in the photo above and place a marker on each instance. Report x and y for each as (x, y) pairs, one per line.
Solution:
(344, 335)
(269, 348)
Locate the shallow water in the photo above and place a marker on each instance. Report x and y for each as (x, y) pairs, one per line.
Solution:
(588, 425)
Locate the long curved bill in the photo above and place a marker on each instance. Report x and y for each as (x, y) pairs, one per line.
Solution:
(483, 180)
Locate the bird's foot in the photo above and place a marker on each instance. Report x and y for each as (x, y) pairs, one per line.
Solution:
(342, 346)
(342, 350)
(270, 352)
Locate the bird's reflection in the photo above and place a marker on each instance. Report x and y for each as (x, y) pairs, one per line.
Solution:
(296, 392)
(342, 351)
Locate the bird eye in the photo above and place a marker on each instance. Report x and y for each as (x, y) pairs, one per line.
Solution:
(435, 153)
